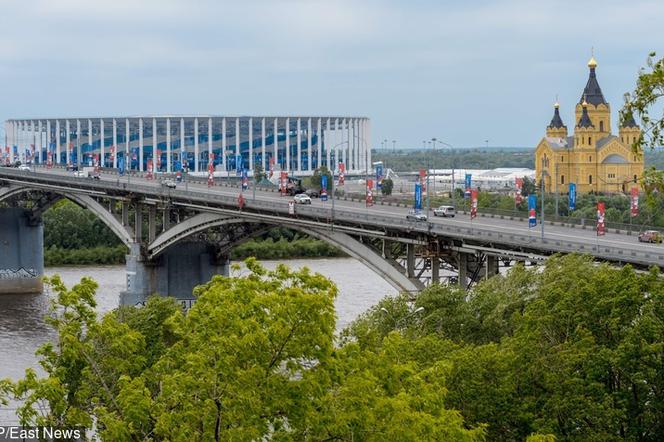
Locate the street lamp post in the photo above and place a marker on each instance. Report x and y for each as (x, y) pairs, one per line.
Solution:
(434, 139)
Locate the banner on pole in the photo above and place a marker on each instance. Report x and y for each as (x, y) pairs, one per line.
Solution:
(601, 226)
(418, 196)
(369, 193)
(634, 202)
(150, 170)
(245, 180)
(271, 167)
(423, 174)
(342, 173)
(532, 210)
(379, 176)
(323, 188)
(518, 198)
(283, 182)
(210, 180)
(121, 166)
(473, 203)
(469, 184)
(572, 196)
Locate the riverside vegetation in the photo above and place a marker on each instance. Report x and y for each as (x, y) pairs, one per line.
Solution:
(571, 351)
(75, 236)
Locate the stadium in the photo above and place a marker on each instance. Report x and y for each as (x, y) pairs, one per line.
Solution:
(297, 144)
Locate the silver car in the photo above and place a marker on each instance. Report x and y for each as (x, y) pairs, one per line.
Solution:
(416, 215)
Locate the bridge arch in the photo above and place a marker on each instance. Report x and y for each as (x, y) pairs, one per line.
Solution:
(81, 200)
(342, 241)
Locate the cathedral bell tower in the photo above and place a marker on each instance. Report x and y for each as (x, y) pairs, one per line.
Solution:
(597, 109)
(556, 129)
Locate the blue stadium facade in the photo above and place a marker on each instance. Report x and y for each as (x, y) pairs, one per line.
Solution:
(298, 144)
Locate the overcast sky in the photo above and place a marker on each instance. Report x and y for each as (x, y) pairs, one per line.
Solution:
(463, 72)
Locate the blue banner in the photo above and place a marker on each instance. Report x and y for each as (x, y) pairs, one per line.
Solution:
(379, 176)
(418, 196)
(532, 210)
(238, 164)
(469, 184)
(121, 165)
(572, 196)
(323, 188)
(245, 180)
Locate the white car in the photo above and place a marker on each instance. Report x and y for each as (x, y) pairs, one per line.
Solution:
(444, 211)
(415, 215)
(169, 183)
(302, 198)
(80, 174)
(24, 167)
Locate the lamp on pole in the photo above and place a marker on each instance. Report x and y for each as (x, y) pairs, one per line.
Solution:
(394, 146)
(433, 140)
(399, 321)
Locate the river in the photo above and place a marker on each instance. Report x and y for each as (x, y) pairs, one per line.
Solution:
(23, 330)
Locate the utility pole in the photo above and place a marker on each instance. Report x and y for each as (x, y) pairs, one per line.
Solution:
(394, 146)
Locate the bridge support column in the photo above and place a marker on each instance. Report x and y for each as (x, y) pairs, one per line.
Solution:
(21, 252)
(490, 266)
(125, 213)
(435, 269)
(152, 223)
(166, 219)
(462, 265)
(174, 273)
(410, 260)
(138, 222)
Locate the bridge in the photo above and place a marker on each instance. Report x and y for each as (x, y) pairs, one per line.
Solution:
(178, 238)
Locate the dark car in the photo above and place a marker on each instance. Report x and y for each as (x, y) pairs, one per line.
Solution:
(72, 168)
(312, 193)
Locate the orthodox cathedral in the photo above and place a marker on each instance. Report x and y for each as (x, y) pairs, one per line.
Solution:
(591, 156)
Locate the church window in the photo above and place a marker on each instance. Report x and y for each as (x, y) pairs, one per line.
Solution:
(633, 139)
(590, 158)
(590, 140)
(601, 126)
(562, 158)
(590, 179)
(635, 179)
(562, 179)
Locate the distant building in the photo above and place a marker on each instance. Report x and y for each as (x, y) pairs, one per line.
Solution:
(502, 178)
(592, 157)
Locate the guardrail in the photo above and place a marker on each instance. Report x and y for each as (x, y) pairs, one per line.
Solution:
(324, 217)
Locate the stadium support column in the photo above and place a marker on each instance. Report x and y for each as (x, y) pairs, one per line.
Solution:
(319, 146)
(68, 141)
(169, 158)
(275, 143)
(251, 144)
(102, 141)
(49, 139)
(223, 144)
(238, 151)
(38, 149)
(196, 153)
(328, 146)
(263, 144)
(155, 145)
(79, 156)
(336, 144)
(299, 145)
(115, 144)
(140, 144)
(90, 136)
(368, 138)
(183, 159)
(287, 144)
(345, 141)
(58, 138)
(127, 141)
(210, 134)
(309, 146)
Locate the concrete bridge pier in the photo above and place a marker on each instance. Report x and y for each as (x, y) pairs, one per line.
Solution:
(174, 273)
(21, 252)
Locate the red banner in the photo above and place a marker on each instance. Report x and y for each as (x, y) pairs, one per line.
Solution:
(634, 202)
(149, 175)
(473, 204)
(369, 193)
(210, 180)
(283, 182)
(342, 173)
(240, 201)
(271, 167)
(158, 159)
(601, 226)
(519, 185)
(423, 174)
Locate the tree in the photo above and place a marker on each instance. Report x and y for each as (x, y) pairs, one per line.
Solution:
(316, 178)
(386, 186)
(528, 187)
(259, 173)
(253, 359)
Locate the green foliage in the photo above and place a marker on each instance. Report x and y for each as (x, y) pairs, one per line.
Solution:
(68, 226)
(386, 186)
(252, 360)
(259, 173)
(268, 248)
(571, 352)
(55, 256)
(415, 159)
